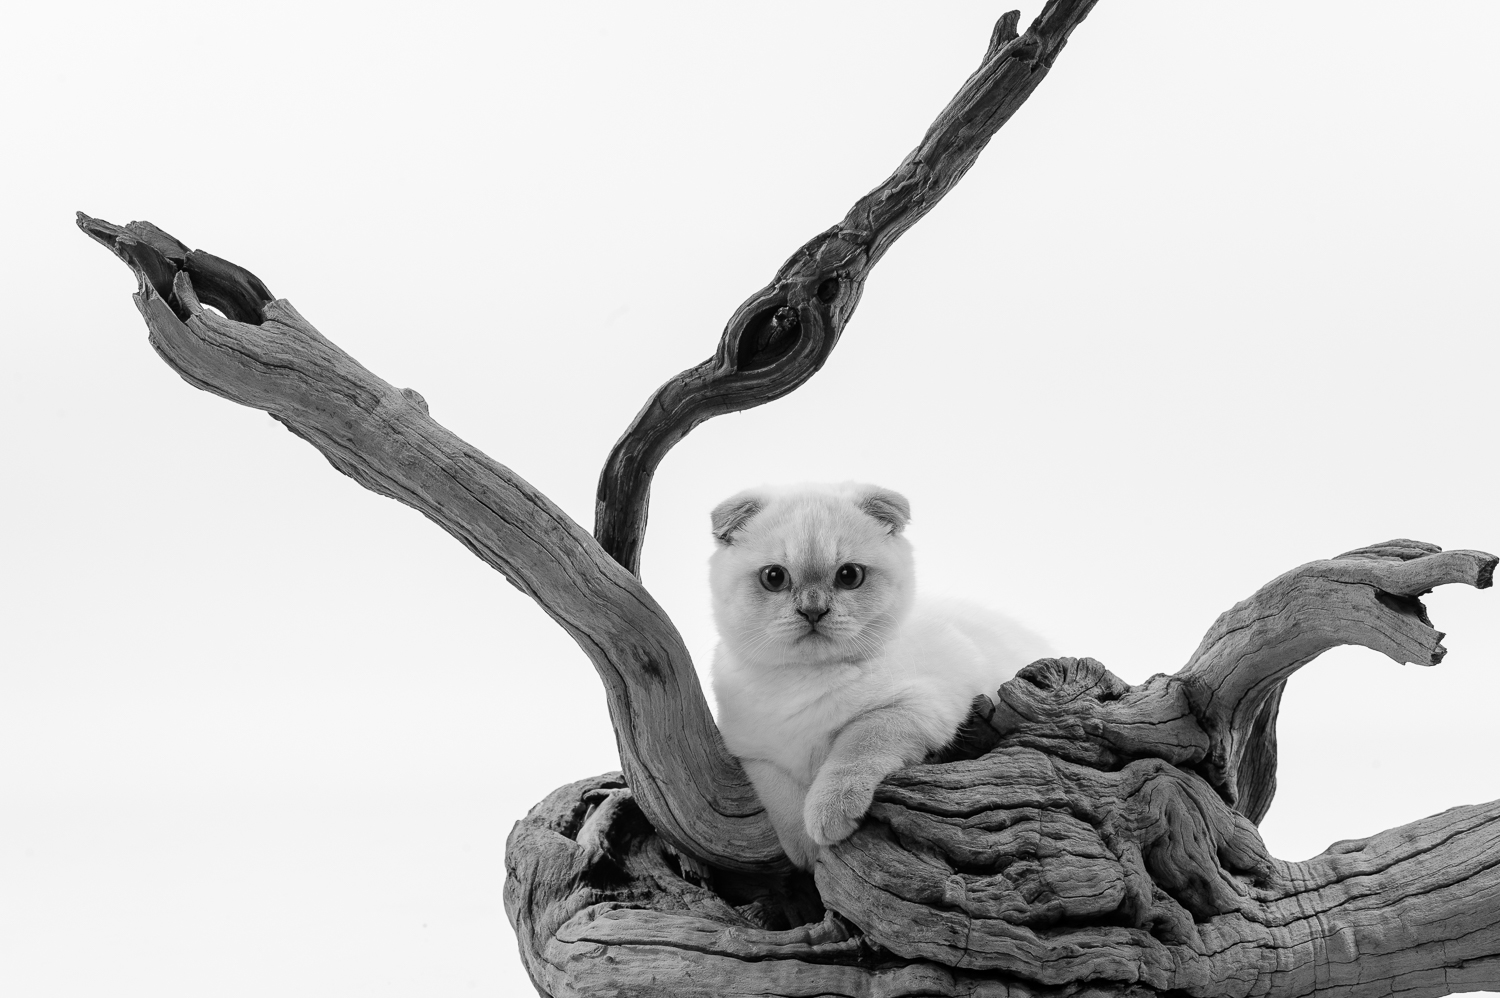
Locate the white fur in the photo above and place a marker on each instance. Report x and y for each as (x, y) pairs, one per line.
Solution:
(820, 714)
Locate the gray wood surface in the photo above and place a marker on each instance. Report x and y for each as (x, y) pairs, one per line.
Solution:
(1093, 843)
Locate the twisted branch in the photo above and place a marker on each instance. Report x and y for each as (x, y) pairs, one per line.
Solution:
(784, 332)
(1367, 597)
(262, 353)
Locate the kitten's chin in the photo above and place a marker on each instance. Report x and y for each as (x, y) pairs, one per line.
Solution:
(821, 648)
(807, 649)
(778, 647)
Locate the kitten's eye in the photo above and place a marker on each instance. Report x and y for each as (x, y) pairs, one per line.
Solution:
(774, 578)
(849, 576)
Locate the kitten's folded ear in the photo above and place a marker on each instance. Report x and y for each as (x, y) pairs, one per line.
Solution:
(890, 508)
(732, 514)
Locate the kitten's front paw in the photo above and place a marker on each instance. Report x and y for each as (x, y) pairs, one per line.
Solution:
(836, 804)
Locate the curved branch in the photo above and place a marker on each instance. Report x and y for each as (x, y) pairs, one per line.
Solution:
(1367, 597)
(784, 332)
(267, 356)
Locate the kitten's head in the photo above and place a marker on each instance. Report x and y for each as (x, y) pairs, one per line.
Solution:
(812, 574)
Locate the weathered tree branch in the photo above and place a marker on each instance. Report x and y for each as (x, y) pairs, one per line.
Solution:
(784, 332)
(1217, 714)
(1236, 675)
(1083, 842)
(265, 355)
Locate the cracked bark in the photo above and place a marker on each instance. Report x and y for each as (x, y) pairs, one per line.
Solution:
(1080, 836)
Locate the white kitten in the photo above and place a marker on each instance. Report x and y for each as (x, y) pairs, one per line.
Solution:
(828, 674)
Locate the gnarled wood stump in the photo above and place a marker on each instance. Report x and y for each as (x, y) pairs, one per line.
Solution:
(1079, 837)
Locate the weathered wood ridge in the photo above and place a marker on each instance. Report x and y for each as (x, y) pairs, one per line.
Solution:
(1080, 837)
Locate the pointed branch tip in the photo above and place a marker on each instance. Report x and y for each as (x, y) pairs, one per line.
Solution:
(1006, 30)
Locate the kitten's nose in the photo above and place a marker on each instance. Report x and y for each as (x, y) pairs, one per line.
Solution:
(813, 613)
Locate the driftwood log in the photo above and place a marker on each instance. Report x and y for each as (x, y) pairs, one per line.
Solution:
(1079, 837)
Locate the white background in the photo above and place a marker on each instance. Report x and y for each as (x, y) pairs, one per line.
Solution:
(1218, 301)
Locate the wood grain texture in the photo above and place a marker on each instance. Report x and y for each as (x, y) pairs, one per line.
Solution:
(784, 332)
(1056, 900)
(262, 353)
(1368, 597)
(1082, 836)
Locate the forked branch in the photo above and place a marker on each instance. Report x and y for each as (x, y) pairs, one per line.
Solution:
(261, 353)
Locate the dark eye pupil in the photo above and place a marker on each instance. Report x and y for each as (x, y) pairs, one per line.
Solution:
(850, 576)
(773, 577)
